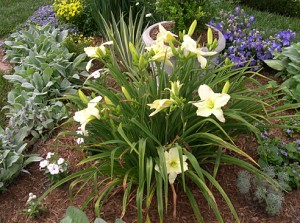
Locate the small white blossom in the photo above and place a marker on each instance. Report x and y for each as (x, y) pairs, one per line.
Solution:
(43, 164)
(96, 74)
(49, 155)
(80, 140)
(60, 161)
(137, 3)
(53, 168)
(148, 15)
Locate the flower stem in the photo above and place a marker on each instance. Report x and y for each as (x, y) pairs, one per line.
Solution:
(174, 200)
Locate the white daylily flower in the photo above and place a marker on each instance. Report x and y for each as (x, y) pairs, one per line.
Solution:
(86, 115)
(190, 45)
(211, 103)
(60, 161)
(53, 168)
(159, 105)
(164, 35)
(49, 155)
(161, 52)
(43, 164)
(148, 15)
(93, 52)
(173, 164)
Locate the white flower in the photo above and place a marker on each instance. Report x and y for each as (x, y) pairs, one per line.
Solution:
(80, 140)
(86, 115)
(43, 164)
(31, 194)
(161, 52)
(211, 103)
(164, 35)
(159, 105)
(49, 155)
(137, 3)
(60, 161)
(53, 168)
(148, 15)
(173, 164)
(94, 52)
(96, 74)
(190, 45)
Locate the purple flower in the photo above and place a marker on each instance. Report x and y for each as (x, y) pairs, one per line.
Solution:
(288, 131)
(283, 152)
(298, 142)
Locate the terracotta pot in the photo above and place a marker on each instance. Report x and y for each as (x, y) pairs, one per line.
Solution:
(148, 40)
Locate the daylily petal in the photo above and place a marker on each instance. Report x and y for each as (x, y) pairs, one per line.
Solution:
(219, 114)
(172, 177)
(205, 92)
(89, 65)
(96, 99)
(222, 100)
(202, 60)
(204, 112)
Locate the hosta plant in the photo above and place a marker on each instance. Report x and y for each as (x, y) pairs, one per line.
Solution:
(147, 131)
(287, 63)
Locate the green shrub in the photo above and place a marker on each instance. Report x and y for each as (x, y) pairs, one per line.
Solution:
(283, 7)
(183, 13)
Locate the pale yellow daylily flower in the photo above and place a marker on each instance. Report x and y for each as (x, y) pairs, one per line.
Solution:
(164, 35)
(211, 103)
(173, 164)
(190, 45)
(93, 52)
(159, 105)
(87, 114)
(162, 53)
(175, 88)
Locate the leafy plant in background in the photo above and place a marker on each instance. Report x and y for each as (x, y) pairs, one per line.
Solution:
(108, 10)
(261, 192)
(287, 63)
(75, 215)
(77, 42)
(184, 13)
(148, 130)
(245, 44)
(284, 157)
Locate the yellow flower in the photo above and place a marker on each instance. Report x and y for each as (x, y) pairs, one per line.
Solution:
(159, 105)
(164, 35)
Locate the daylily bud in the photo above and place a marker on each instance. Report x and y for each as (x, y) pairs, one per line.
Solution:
(226, 87)
(134, 54)
(175, 88)
(82, 96)
(126, 94)
(108, 101)
(192, 28)
(209, 36)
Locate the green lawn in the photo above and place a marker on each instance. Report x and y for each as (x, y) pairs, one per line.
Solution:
(14, 12)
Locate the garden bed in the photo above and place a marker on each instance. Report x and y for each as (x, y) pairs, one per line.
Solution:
(13, 202)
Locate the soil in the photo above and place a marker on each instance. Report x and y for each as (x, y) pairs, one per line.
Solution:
(13, 201)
